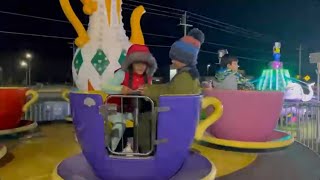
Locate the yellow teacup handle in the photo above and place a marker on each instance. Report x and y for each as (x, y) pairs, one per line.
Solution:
(65, 95)
(34, 98)
(101, 93)
(212, 118)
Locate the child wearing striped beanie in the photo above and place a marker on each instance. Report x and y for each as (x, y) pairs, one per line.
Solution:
(184, 56)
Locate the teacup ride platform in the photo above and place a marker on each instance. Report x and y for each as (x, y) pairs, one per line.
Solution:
(23, 126)
(295, 162)
(278, 141)
(68, 118)
(3, 151)
(171, 157)
(17, 102)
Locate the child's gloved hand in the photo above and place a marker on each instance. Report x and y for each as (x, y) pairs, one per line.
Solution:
(141, 89)
(246, 86)
(126, 90)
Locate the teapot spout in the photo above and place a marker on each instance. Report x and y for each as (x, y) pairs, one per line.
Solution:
(136, 32)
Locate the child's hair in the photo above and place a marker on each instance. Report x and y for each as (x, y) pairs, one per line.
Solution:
(227, 59)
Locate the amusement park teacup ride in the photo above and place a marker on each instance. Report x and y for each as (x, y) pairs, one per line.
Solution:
(249, 120)
(176, 127)
(250, 126)
(14, 102)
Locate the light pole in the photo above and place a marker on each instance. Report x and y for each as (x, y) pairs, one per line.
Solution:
(208, 66)
(1, 76)
(24, 64)
(29, 58)
(74, 49)
(300, 51)
(183, 22)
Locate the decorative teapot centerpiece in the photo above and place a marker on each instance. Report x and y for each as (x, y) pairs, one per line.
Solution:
(103, 46)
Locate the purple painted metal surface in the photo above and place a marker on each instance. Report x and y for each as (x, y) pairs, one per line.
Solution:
(177, 126)
(76, 167)
(248, 115)
(89, 126)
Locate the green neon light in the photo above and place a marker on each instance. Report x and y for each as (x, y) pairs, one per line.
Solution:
(266, 80)
(283, 80)
(263, 76)
(273, 79)
(277, 79)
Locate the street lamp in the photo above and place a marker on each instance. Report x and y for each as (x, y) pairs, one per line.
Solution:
(24, 64)
(208, 66)
(1, 76)
(29, 57)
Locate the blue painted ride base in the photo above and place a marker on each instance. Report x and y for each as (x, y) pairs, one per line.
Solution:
(196, 166)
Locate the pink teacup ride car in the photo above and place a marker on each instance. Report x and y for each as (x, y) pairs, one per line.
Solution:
(249, 120)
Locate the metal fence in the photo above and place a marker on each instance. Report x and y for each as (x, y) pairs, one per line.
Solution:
(50, 105)
(302, 121)
(48, 111)
(122, 138)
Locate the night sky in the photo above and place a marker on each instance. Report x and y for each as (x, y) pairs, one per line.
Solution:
(292, 22)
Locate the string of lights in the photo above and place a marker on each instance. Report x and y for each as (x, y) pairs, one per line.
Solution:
(151, 45)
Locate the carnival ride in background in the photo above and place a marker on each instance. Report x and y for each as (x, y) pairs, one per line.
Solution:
(276, 78)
